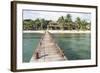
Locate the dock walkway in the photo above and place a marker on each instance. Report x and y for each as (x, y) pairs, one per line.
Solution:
(47, 50)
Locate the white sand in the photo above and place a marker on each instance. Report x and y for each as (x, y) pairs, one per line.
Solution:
(57, 31)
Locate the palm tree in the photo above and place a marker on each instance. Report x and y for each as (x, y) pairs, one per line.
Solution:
(43, 23)
(27, 24)
(37, 23)
(68, 20)
(61, 22)
(79, 23)
(84, 24)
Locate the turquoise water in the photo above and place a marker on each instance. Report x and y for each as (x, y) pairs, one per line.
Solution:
(30, 42)
(75, 46)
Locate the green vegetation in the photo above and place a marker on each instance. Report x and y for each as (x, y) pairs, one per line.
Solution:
(63, 23)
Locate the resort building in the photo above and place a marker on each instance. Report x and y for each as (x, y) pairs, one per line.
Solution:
(56, 26)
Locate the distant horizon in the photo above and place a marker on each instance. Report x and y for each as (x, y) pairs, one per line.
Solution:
(54, 15)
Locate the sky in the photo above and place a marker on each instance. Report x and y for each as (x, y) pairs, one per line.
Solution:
(54, 15)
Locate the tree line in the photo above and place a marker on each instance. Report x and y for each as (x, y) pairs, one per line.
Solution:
(62, 23)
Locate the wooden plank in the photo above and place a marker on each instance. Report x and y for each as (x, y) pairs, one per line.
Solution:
(47, 50)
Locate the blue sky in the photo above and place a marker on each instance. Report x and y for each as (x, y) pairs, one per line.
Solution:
(49, 15)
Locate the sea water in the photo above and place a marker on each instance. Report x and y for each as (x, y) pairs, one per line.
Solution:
(76, 46)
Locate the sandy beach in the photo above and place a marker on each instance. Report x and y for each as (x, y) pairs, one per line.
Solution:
(57, 31)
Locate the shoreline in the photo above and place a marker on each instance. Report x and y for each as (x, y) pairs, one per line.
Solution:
(57, 31)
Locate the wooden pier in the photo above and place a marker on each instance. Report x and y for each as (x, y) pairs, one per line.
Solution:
(47, 50)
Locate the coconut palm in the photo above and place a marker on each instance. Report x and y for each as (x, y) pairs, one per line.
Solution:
(27, 24)
(79, 23)
(37, 23)
(61, 22)
(68, 21)
(43, 23)
(84, 24)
